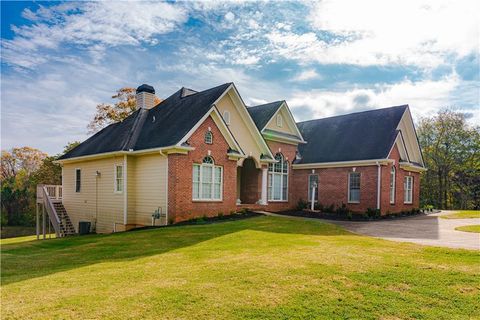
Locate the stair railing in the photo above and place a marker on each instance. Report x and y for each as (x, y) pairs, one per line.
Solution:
(52, 213)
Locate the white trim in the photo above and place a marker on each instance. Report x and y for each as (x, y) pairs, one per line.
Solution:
(125, 198)
(407, 166)
(281, 174)
(284, 104)
(399, 140)
(226, 117)
(279, 120)
(308, 186)
(279, 138)
(166, 191)
(355, 163)
(348, 186)
(200, 183)
(169, 149)
(379, 184)
(393, 186)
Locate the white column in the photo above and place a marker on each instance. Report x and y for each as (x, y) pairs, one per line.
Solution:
(263, 199)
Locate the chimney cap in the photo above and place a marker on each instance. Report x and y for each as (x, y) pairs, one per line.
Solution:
(145, 88)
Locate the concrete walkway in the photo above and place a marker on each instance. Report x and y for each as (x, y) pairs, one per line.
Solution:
(424, 229)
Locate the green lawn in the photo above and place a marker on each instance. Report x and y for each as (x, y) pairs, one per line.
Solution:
(258, 268)
(472, 228)
(463, 214)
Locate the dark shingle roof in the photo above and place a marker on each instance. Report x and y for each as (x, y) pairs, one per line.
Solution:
(261, 114)
(357, 136)
(162, 126)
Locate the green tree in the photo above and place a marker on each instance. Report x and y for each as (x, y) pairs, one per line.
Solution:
(450, 148)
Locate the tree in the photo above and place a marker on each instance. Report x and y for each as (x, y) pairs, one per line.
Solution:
(107, 113)
(70, 146)
(450, 148)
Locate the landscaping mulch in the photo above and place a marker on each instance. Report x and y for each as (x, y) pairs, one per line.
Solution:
(345, 217)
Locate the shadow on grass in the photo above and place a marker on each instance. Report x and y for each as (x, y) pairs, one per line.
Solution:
(22, 261)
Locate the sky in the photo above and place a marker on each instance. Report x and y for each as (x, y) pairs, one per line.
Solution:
(60, 59)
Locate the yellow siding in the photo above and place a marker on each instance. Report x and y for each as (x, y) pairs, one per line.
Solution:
(150, 187)
(83, 205)
(131, 185)
(287, 126)
(240, 131)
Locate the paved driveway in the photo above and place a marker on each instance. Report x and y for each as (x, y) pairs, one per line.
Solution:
(424, 229)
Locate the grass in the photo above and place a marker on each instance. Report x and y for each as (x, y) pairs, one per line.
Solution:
(16, 231)
(471, 228)
(463, 214)
(258, 268)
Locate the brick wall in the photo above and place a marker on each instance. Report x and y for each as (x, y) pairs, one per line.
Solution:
(399, 204)
(333, 186)
(250, 182)
(180, 170)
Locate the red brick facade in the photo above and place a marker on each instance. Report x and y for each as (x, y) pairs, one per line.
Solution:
(333, 182)
(180, 171)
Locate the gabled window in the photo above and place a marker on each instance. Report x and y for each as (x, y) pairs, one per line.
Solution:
(278, 179)
(279, 120)
(226, 117)
(78, 181)
(392, 185)
(354, 187)
(408, 189)
(118, 178)
(207, 180)
(208, 137)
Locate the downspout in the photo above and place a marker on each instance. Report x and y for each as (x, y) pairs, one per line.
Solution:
(125, 191)
(166, 186)
(379, 173)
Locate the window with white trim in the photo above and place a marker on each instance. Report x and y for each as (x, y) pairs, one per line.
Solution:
(118, 178)
(354, 187)
(207, 180)
(208, 137)
(278, 179)
(312, 180)
(408, 188)
(78, 179)
(226, 117)
(279, 120)
(392, 185)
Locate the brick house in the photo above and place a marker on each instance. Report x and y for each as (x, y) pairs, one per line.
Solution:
(204, 153)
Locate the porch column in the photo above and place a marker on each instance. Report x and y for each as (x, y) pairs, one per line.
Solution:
(263, 198)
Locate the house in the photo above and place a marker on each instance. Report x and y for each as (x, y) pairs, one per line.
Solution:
(203, 153)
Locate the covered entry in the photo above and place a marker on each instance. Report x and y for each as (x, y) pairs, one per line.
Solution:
(249, 179)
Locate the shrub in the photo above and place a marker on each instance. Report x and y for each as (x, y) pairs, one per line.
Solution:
(342, 210)
(302, 205)
(220, 215)
(319, 206)
(349, 215)
(373, 213)
(330, 208)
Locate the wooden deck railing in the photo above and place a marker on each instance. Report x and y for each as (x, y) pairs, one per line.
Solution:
(54, 192)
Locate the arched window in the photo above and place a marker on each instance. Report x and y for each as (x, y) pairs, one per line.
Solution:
(278, 179)
(207, 180)
(208, 137)
(392, 185)
(226, 117)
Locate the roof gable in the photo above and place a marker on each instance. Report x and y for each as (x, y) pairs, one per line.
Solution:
(262, 114)
(357, 136)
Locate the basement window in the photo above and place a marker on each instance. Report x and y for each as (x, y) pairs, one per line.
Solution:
(207, 181)
(354, 187)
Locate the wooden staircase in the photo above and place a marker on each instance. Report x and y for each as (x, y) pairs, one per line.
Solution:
(66, 225)
(49, 197)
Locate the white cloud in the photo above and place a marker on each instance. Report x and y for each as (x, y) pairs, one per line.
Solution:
(306, 75)
(229, 16)
(424, 97)
(377, 32)
(91, 25)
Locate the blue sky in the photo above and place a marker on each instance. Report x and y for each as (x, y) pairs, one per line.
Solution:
(60, 59)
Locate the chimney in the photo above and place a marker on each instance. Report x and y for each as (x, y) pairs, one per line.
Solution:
(145, 96)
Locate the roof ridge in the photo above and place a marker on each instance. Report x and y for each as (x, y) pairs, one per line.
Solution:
(135, 129)
(353, 113)
(261, 105)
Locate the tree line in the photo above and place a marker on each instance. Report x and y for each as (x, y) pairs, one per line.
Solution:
(450, 147)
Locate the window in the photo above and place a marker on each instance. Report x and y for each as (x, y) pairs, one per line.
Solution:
(408, 187)
(312, 180)
(207, 180)
(78, 177)
(279, 120)
(354, 187)
(226, 117)
(208, 137)
(118, 178)
(278, 179)
(392, 185)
